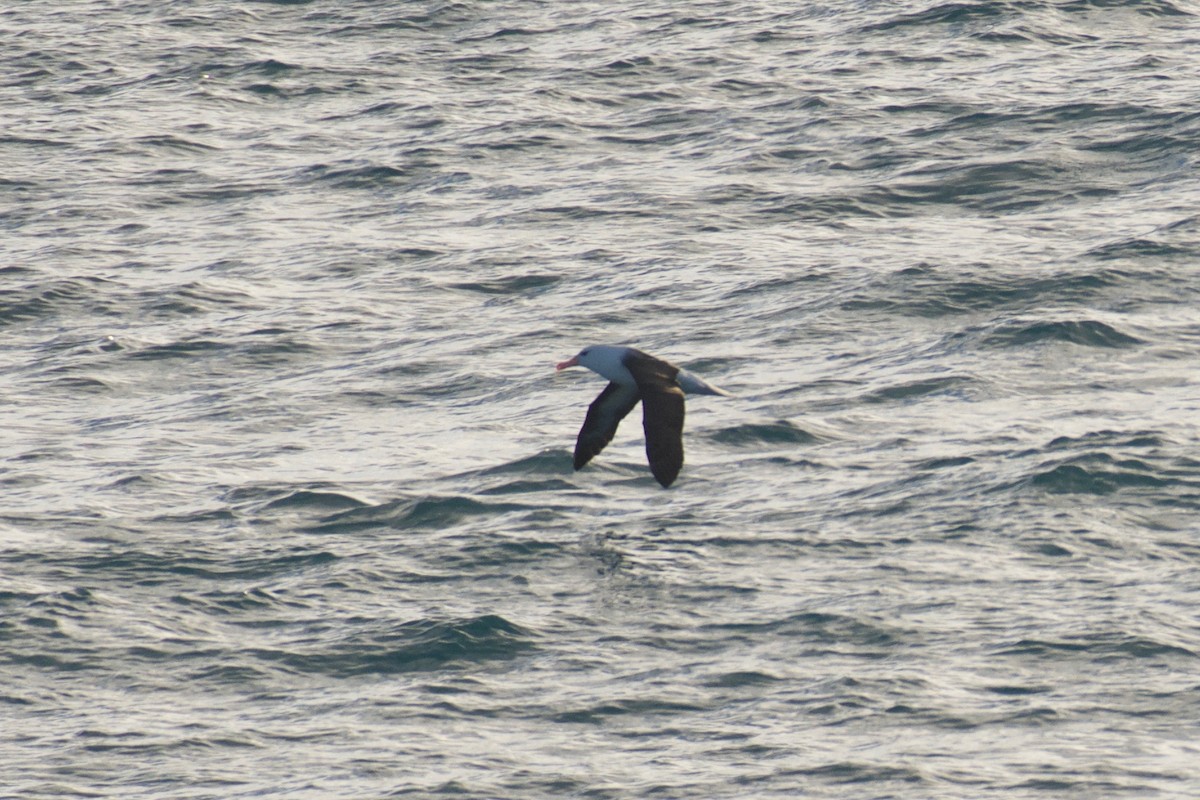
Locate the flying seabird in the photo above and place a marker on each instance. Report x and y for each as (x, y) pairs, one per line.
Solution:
(633, 376)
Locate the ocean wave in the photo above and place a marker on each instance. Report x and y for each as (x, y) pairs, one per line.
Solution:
(426, 645)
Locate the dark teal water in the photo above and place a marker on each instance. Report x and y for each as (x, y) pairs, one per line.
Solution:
(286, 498)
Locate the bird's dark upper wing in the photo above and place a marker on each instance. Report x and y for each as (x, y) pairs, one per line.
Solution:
(604, 415)
(662, 414)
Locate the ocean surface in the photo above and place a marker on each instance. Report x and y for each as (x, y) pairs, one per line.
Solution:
(287, 506)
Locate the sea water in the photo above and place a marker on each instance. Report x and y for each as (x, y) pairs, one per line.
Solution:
(286, 498)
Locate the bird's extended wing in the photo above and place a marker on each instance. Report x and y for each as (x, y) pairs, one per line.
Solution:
(662, 415)
(604, 415)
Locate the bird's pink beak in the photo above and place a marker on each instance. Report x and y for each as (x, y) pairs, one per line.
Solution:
(570, 362)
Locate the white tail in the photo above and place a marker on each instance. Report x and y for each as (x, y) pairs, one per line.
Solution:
(692, 384)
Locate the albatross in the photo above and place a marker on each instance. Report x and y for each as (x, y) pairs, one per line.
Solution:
(633, 376)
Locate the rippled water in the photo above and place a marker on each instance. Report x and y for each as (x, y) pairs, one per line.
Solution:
(288, 506)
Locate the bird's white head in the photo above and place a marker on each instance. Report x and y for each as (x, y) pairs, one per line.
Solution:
(603, 359)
